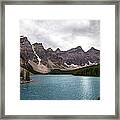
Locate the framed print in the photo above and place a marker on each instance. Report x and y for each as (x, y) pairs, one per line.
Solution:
(60, 59)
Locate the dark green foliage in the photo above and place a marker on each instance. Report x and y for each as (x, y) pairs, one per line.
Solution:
(88, 71)
(93, 70)
(27, 77)
(24, 75)
(58, 71)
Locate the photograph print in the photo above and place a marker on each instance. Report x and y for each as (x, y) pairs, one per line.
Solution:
(59, 59)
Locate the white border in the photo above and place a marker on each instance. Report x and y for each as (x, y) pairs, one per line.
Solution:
(15, 106)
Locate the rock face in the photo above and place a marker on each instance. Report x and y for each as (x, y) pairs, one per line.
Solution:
(28, 59)
(35, 57)
(46, 55)
(26, 52)
(93, 55)
(73, 56)
(77, 56)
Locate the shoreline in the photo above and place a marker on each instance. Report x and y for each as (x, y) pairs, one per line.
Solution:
(25, 81)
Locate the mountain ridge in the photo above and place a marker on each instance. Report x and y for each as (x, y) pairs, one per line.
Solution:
(44, 60)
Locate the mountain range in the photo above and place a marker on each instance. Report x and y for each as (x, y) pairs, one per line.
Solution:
(36, 59)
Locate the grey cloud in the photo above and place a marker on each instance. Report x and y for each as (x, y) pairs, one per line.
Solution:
(42, 30)
(93, 30)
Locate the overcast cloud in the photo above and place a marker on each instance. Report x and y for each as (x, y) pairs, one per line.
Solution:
(63, 34)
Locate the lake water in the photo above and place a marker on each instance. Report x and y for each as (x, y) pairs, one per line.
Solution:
(60, 87)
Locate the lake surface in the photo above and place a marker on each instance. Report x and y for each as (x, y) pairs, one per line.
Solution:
(61, 87)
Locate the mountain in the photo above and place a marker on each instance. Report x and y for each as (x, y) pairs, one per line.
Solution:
(37, 59)
(78, 56)
(48, 56)
(28, 59)
(26, 52)
(93, 55)
(57, 50)
(74, 56)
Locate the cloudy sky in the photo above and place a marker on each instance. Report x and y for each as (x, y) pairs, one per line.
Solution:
(63, 34)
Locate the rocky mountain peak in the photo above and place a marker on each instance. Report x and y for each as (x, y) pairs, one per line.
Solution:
(23, 39)
(49, 50)
(39, 47)
(57, 50)
(77, 49)
(92, 49)
(26, 52)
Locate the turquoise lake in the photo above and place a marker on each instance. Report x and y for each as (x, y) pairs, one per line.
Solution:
(61, 87)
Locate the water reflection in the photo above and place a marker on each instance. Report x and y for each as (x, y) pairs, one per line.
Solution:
(57, 87)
